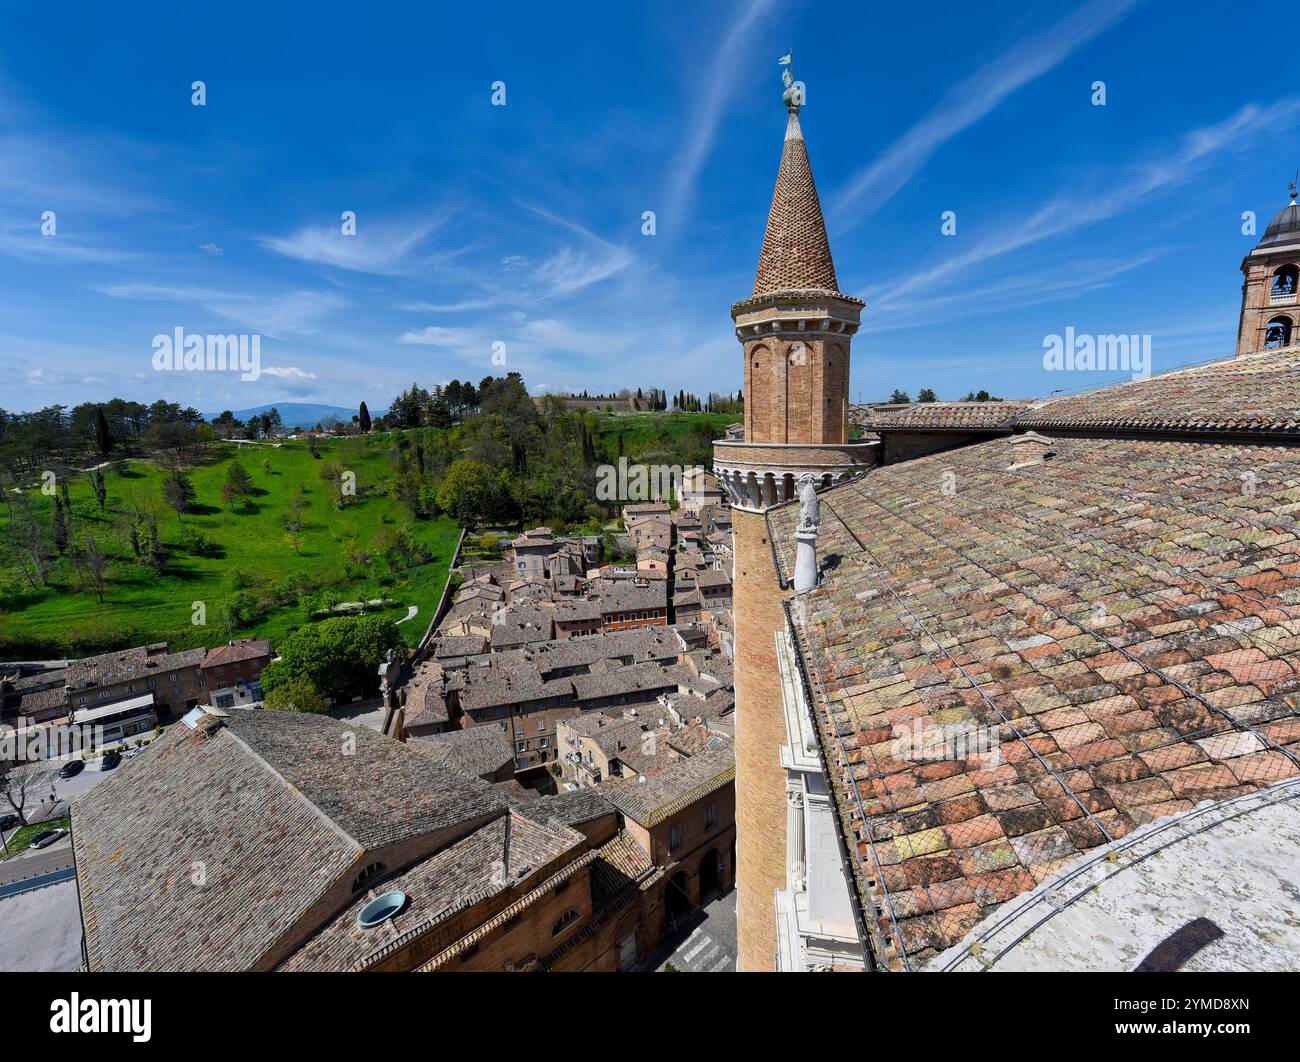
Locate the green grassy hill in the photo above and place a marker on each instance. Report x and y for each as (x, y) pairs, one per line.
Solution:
(338, 555)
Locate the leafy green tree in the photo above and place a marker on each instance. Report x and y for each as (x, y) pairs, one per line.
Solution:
(926, 395)
(295, 694)
(468, 489)
(338, 656)
(899, 397)
(363, 418)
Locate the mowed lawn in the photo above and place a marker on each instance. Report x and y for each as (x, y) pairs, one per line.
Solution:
(642, 430)
(334, 556)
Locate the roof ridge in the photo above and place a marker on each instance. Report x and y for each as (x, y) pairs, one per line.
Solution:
(297, 792)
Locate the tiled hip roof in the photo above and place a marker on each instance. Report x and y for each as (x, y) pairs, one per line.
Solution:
(1014, 662)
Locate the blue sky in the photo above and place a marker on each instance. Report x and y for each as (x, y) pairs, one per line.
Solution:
(521, 224)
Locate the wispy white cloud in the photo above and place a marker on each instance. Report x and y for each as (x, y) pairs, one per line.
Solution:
(462, 306)
(57, 249)
(708, 104)
(287, 372)
(292, 312)
(568, 269)
(385, 248)
(436, 336)
(1018, 291)
(967, 102)
(1066, 215)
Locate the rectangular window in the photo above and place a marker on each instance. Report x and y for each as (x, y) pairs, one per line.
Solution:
(674, 836)
(710, 815)
(521, 746)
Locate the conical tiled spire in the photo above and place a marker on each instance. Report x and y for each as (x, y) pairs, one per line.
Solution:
(796, 253)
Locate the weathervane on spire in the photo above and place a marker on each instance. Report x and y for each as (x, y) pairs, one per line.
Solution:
(1293, 183)
(794, 90)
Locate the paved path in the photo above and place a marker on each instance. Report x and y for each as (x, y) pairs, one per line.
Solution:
(704, 943)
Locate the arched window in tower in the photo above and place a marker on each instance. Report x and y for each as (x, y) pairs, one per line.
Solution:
(1278, 333)
(1285, 281)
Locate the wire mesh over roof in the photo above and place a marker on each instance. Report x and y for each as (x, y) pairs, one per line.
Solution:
(1014, 658)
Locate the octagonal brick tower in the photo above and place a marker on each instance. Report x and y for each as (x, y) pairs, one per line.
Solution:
(795, 330)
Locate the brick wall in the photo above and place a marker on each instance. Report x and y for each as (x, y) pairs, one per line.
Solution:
(797, 390)
(760, 732)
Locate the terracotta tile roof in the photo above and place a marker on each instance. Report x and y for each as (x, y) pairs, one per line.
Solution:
(492, 859)
(678, 785)
(243, 649)
(276, 806)
(448, 645)
(1010, 672)
(796, 253)
(923, 416)
(477, 750)
(143, 661)
(1257, 393)
(620, 863)
(571, 809)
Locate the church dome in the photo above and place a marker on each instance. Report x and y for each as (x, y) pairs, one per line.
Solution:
(1285, 228)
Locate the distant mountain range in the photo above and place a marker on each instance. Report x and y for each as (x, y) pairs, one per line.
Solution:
(298, 414)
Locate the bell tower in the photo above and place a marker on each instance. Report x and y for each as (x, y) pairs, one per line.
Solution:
(795, 330)
(1270, 312)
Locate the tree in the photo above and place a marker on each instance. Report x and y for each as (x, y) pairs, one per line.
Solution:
(926, 395)
(16, 779)
(468, 489)
(99, 485)
(899, 398)
(27, 537)
(227, 426)
(91, 564)
(60, 526)
(296, 694)
(103, 438)
(337, 656)
(364, 417)
(238, 486)
(179, 492)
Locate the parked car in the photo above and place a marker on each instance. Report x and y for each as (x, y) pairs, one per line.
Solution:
(8, 822)
(72, 768)
(110, 760)
(44, 840)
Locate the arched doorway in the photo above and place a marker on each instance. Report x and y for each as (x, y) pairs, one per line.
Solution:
(710, 876)
(677, 901)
